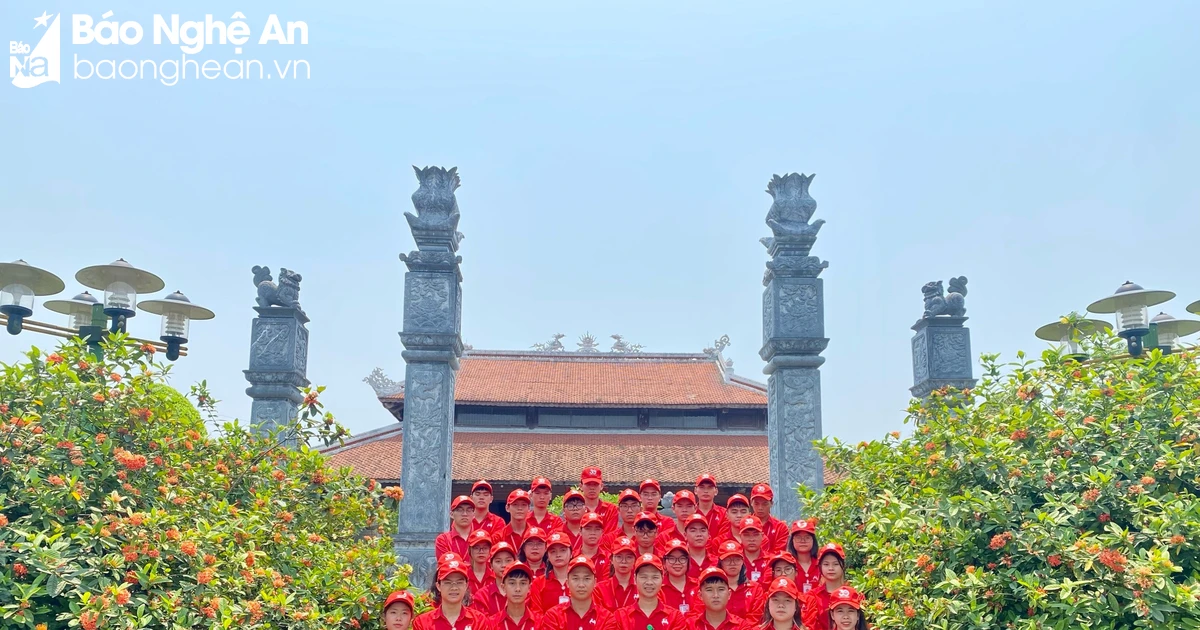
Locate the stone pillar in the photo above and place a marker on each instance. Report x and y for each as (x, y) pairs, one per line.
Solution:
(941, 346)
(433, 345)
(278, 351)
(793, 339)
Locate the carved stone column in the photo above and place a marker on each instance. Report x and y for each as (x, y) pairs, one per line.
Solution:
(431, 336)
(942, 345)
(793, 339)
(278, 351)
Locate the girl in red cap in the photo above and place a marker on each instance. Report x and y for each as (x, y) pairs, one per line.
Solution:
(845, 610)
(744, 592)
(678, 590)
(533, 550)
(832, 560)
(489, 600)
(479, 549)
(781, 565)
(550, 590)
(581, 611)
(451, 601)
(618, 591)
(802, 544)
(398, 611)
(515, 614)
(649, 612)
(785, 607)
(481, 496)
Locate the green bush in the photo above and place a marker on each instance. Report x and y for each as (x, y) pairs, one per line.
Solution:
(118, 510)
(1054, 495)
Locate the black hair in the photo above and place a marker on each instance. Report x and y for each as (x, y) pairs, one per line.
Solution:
(791, 546)
(741, 579)
(516, 572)
(436, 594)
(545, 557)
(861, 624)
(767, 621)
(716, 579)
(573, 500)
(841, 560)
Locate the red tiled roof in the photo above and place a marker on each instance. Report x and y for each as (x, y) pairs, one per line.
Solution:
(605, 380)
(626, 459)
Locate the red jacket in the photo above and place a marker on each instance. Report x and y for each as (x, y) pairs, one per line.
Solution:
(612, 596)
(697, 621)
(501, 621)
(680, 600)
(661, 618)
(490, 523)
(552, 522)
(507, 534)
(563, 617)
(451, 542)
(743, 601)
(435, 620)
(546, 592)
(488, 600)
(775, 536)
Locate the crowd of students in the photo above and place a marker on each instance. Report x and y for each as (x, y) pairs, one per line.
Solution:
(625, 566)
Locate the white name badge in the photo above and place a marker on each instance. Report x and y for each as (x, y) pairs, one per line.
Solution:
(562, 599)
(683, 608)
(755, 575)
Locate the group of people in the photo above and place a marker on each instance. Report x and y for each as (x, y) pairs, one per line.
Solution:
(626, 566)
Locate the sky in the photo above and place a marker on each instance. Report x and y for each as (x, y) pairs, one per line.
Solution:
(614, 158)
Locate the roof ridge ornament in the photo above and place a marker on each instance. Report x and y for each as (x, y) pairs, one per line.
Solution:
(383, 385)
(554, 345)
(587, 344)
(622, 346)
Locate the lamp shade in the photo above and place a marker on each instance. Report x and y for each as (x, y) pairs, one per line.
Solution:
(1130, 302)
(177, 312)
(1194, 308)
(1070, 333)
(78, 309)
(121, 283)
(1171, 329)
(20, 282)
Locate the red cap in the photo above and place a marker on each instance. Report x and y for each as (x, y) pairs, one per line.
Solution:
(673, 545)
(751, 522)
(518, 495)
(449, 556)
(645, 517)
(446, 569)
(783, 585)
(459, 500)
(518, 566)
(649, 482)
(540, 482)
(846, 595)
(403, 597)
(833, 548)
(558, 538)
(590, 474)
(728, 549)
(573, 494)
(713, 572)
(479, 537)
(624, 543)
(695, 519)
(503, 545)
(737, 498)
(684, 495)
(628, 493)
(784, 557)
(534, 532)
(706, 478)
(805, 525)
(591, 518)
(762, 491)
(647, 560)
(582, 561)
(482, 483)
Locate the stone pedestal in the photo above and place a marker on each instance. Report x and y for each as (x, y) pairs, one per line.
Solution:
(941, 351)
(793, 339)
(433, 345)
(278, 365)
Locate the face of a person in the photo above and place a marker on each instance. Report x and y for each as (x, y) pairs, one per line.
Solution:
(782, 607)
(623, 562)
(573, 510)
(706, 492)
(580, 583)
(803, 542)
(591, 534)
(516, 588)
(629, 510)
(783, 569)
(479, 554)
(591, 490)
(752, 540)
(646, 534)
(844, 616)
(397, 617)
(683, 510)
(501, 561)
(732, 566)
(559, 556)
(715, 595)
(649, 581)
(541, 497)
(453, 589)
(697, 536)
(737, 513)
(535, 550)
(650, 498)
(482, 498)
(676, 563)
(762, 507)
(831, 569)
(519, 510)
(462, 514)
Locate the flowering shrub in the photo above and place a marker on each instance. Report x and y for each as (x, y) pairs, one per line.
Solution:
(1054, 495)
(119, 510)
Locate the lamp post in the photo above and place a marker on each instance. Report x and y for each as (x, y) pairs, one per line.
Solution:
(20, 283)
(121, 283)
(176, 311)
(1131, 304)
(1069, 332)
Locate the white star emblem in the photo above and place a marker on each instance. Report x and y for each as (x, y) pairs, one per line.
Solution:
(42, 21)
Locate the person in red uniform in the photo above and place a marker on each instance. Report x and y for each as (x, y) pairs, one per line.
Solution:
(481, 496)
(785, 607)
(781, 565)
(699, 547)
(649, 612)
(541, 494)
(451, 601)
(398, 611)
(573, 511)
(588, 542)
(743, 591)
(582, 611)
(832, 560)
(758, 561)
(629, 505)
(455, 540)
(645, 534)
(802, 544)
(845, 610)
(515, 614)
(618, 590)
(550, 590)
(533, 550)
(706, 506)
(684, 505)
(518, 511)
(651, 494)
(479, 546)
(678, 590)
(775, 531)
(714, 595)
(591, 483)
(489, 600)
(737, 508)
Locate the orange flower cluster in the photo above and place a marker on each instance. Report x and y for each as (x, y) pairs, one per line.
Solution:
(1091, 495)
(1112, 559)
(129, 460)
(395, 493)
(1000, 540)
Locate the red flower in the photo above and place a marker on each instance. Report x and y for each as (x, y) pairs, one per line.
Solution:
(1000, 540)
(1112, 559)
(1175, 540)
(188, 547)
(55, 480)
(310, 399)
(98, 397)
(909, 611)
(205, 576)
(122, 596)
(1019, 435)
(88, 620)
(114, 377)
(1091, 495)
(54, 359)
(147, 348)
(1104, 518)
(141, 412)
(3, 520)
(19, 570)
(1054, 560)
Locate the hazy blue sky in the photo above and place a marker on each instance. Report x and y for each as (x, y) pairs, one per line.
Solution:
(614, 157)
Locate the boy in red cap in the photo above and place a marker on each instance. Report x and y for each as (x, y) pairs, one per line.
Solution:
(785, 607)
(588, 542)
(479, 546)
(581, 611)
(845, 610)
(489, 600)
(737, 508)
(573, 511)
(802, 544)
(550, 590)
(646, 535)
(451, 601)
(515, 614)
(678, 590)
(629, 505)
(700, 556)
(706, 506)
(757, 560)
(775, 531)
(648, 612)
(540, 493)
(518, 512)
(398, 611)
(684, 506)
(455, 540)
(618, 590)
(591, 483)
(481, 496)
(714, 594)
(651, 494)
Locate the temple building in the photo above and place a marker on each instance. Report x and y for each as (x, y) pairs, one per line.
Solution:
(550, 412)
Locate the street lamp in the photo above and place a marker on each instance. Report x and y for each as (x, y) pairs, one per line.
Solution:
(1130, 302)
(1069, 333)
(20, 282)
(78, 309)
(1171, 329)
(121, 283)
(176, 311)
